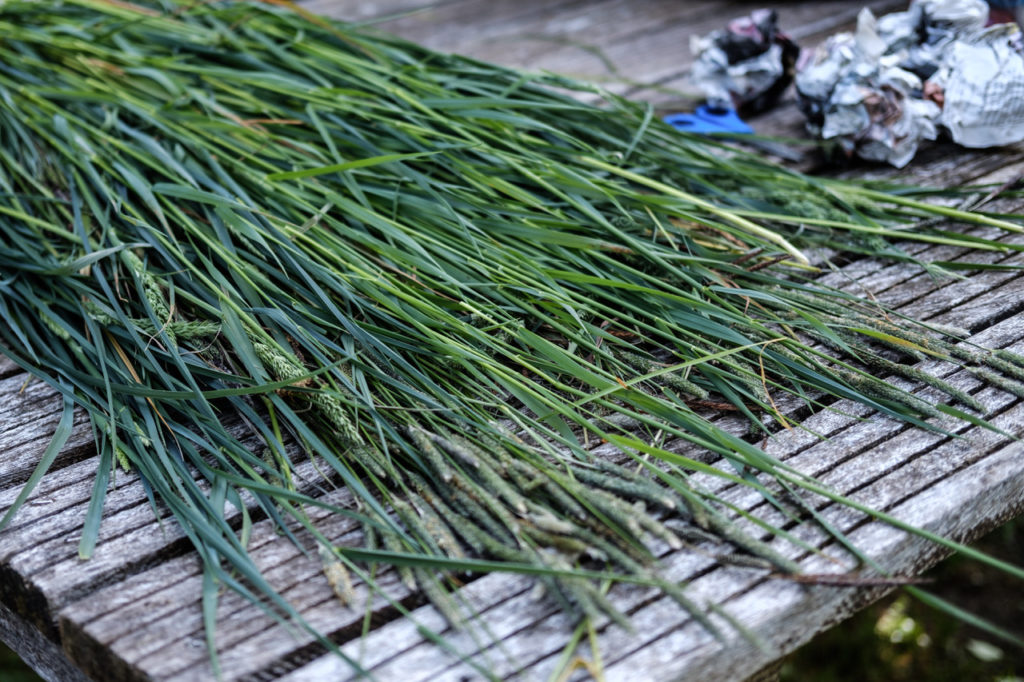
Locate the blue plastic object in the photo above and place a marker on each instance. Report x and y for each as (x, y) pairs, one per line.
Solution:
(708, 119)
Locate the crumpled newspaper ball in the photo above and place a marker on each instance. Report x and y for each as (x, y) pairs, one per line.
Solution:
(747, 65)
(857, 95)
(981, 81)
(882, 90)
(877, 118)
(921, 34)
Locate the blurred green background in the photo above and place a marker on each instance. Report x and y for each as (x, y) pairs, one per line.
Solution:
(897, 639)
(901, 640)
(12, 669)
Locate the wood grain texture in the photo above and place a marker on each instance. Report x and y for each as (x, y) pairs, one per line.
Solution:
(133, 612)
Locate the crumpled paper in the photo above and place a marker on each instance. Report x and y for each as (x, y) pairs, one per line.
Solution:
(855, 93)
(882, 90)
(919, 36)
(879, 119)
(981, 82)
(747, 65)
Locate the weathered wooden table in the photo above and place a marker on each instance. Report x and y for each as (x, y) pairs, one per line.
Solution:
(133, 611)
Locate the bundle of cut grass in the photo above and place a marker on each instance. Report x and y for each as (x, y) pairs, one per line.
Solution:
(240, 238)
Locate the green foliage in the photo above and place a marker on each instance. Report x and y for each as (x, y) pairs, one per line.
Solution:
(12, 669)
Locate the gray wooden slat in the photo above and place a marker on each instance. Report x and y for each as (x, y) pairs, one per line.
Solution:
(299, 578)
(935, 166)
(362, 10)
(23, 446)
(243, 636)
(40, 542)
(52, 496)
(151, 610)
(921, 298)
(1005, 299)
(871, 281)
(848, 434)
(471, 23)
(35, 400)
(849, 439)
(39, 550)
(646, 40)
(562, 35)
(645, 55)
(154, 620)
